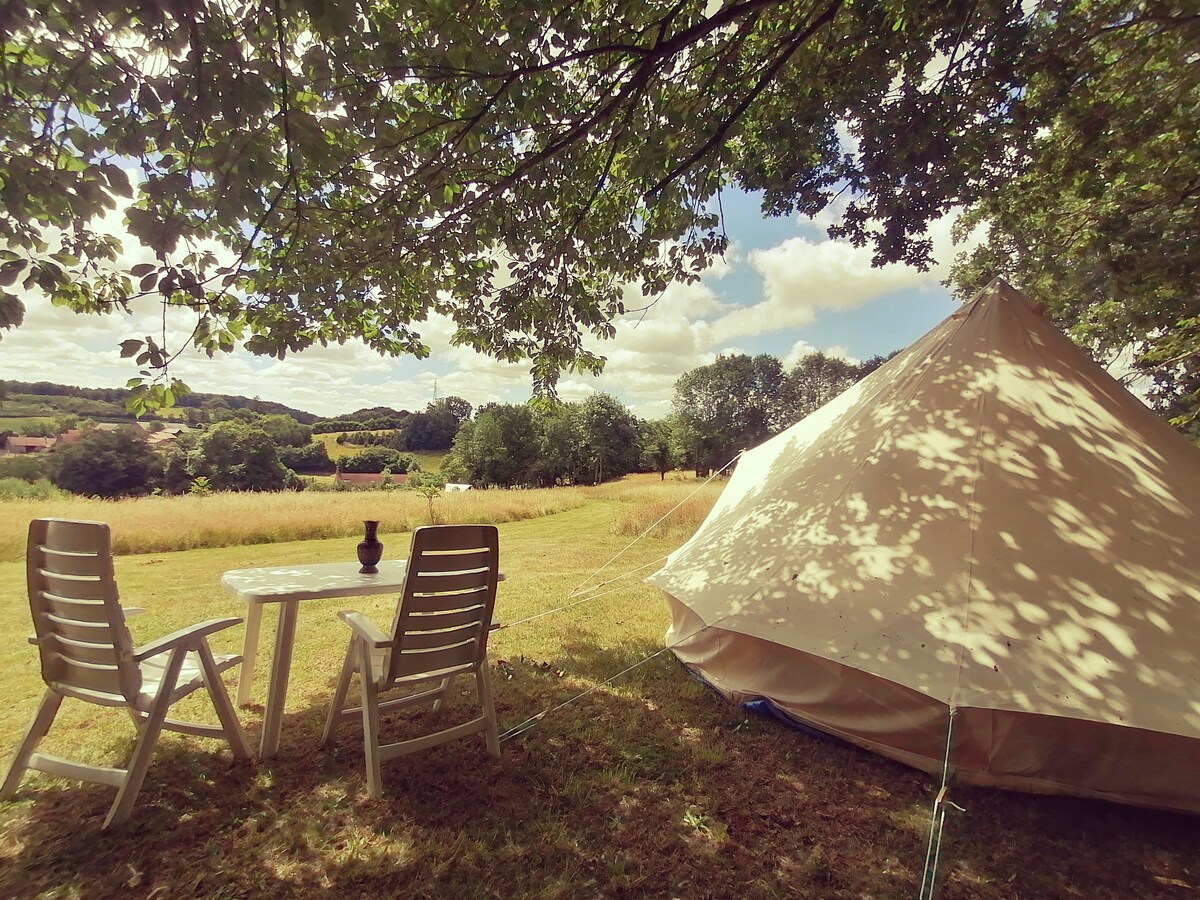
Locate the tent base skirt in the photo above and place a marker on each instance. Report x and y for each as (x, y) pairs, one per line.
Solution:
(1020, 751)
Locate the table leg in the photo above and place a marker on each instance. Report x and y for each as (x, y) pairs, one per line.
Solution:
(249, 651)
(281, 666)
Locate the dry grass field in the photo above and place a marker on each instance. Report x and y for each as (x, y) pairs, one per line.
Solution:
(152, 524)
(649, 785)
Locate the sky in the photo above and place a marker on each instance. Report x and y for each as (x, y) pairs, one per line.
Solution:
(783, 288)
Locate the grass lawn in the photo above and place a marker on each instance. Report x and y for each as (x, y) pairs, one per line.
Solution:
(21, 424)
(334, 449)
(430, 462)
(649, 786)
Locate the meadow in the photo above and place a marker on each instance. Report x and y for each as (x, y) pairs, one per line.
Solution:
(647, 785)
(429, 461)
(23, 424)
(154, 524)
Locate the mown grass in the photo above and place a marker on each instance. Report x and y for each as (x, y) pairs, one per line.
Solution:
(335, 450)
(21, 424)
(430, 462)
(648, 786)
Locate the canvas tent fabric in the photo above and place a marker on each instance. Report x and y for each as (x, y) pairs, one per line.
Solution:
(989, 524)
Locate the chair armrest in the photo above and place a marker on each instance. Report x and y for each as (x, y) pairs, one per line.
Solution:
(365, 629)
(190, 635)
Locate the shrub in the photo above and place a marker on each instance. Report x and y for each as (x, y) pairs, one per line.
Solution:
(236, 456)
(376, 459)
(27, 467)
(19, 489)
(312, 458)
(105, 464)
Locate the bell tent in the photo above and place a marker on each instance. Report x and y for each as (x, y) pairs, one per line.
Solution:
(986, 553)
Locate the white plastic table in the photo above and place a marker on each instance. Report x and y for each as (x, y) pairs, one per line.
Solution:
(287, 586)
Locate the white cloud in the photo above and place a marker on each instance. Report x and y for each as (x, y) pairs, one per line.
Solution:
(801, 349)
(938, 232)
(837, 351)
(802, 277)
(797, 352)
(573, 390)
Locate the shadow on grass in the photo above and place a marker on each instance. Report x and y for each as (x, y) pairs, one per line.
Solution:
(651, 786)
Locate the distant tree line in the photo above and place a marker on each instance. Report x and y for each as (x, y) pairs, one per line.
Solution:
(719, 409)
(251, 404)
(378, 459)
(108, 395)
(732, 404)
(524, 445)
(431, 430)
(357, 422)
(233, 455)
(112, 401)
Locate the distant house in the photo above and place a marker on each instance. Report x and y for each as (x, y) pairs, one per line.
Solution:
(358, 478)
(70, 436)
(168, 434)
(28, 444)
(138, 430)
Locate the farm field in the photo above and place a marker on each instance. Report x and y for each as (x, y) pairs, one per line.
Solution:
(334, 449)
(650, 785)
(157, 524)
(20, 424)
(430, 462)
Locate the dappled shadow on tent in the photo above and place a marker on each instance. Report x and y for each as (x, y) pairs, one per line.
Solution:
(990, 522)
(650, 789)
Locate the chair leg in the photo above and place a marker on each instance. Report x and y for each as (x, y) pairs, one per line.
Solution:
(220, 698)
(443, 690)
(42, 720)
(140, 761)
(491, 733)
(339, 694)
(370, 713)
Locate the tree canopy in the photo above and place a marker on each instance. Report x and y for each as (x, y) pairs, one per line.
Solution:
(105, 464)
(738, 401)
(1103, 230)
(235, 456)
(547, 444)
(303, 172)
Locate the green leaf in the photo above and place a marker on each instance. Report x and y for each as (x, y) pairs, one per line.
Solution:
(12, 310)
(10, 270)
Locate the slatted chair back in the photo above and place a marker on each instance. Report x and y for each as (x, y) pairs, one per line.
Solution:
(442, 621)
(85, 647)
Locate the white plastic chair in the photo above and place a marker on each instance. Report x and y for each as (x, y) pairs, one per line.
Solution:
(440, 631)
(86, 653)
